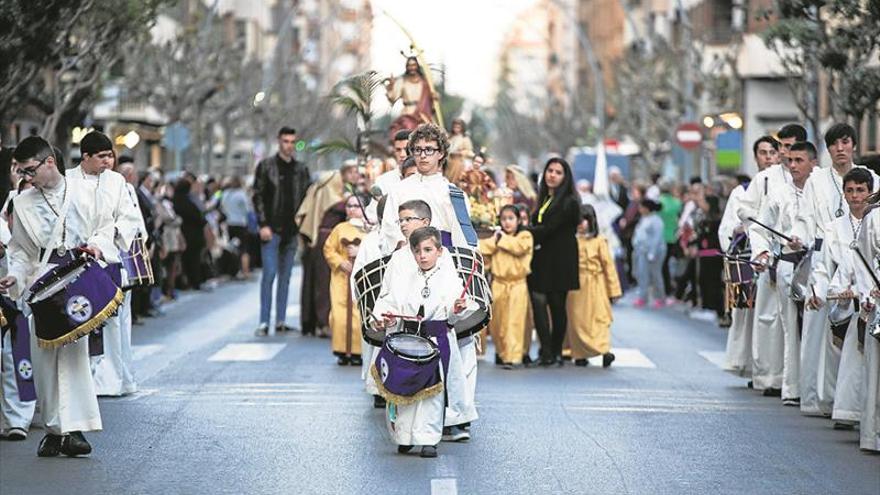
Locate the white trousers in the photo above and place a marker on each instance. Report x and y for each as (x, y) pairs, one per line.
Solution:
(767, 337)
(817, 330)
(850, 391)
(112, 371)
(738, 358)
(461, 388)
(14, 412)
(788, 318)
(65, 390)
(869, 430)
(368, 353)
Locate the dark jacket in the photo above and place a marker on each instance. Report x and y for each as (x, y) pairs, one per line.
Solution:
(266, 199)
(555, 260)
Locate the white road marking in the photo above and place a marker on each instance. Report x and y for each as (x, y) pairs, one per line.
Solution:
(292, 310)
(139, 352)
(718, 358)
(247, 352)
(444, 486)
(626, 358)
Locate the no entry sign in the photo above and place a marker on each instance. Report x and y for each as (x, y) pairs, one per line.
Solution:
(689, 135)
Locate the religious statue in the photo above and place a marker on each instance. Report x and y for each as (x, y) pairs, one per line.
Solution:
(414, 89)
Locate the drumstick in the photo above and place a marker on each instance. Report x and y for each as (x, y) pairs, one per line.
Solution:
(838, 297)
(402, 317)
(773, 231)
(746, 260)
(470, 279)
(813, 290)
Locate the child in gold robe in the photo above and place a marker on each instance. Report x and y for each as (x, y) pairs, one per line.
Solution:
(510, 251)
(340, 250)
(589, 308)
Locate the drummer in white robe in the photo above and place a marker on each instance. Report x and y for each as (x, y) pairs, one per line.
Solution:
(420, 282)
(65, 391)
(429, 146)
(835, 274)
(766, 308)
(779, 359)
(824, 203)
(869, 246)
(738, 356)
(112, 371)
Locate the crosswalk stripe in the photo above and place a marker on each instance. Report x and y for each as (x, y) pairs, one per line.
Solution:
(139, 352)
(718, 358)
(626, 358)
(247, 352)
(444, 486)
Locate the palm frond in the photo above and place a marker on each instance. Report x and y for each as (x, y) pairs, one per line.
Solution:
(336, 146)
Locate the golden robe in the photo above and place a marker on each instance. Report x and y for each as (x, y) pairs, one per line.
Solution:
(511, 259)
(345, 320)
(589, 308)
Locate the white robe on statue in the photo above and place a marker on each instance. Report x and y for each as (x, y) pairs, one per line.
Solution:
(869, 245)
(738, 355)
(65, 391)
(421, 423)
(113, 370)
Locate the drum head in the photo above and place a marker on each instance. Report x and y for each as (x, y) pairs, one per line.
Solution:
(411, 346)
(57, 279)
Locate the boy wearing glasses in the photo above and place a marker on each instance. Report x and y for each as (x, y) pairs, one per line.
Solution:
(112, 371)
(56, 215)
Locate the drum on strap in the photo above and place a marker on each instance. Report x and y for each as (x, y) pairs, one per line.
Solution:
(136, 264)
(739, 276)
(367, 284)
(71, 300)
(840, 316)
(407, 368)
(800, 277)
(465, 260)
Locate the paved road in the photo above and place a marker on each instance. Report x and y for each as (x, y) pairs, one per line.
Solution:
(221, 411)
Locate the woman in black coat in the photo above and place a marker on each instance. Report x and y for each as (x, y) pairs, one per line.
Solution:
(555, 260)
(193, 229)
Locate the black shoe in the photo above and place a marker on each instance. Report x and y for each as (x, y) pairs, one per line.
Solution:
(796, 401)
(560, 361)
(546, 362)
(428, 451)
(262, 330)
(498, 361)
(526, 360)
(356, 361)
(74, 444)
(772, 392)
(50, 446)
(378, 402)
(16, 435)
(843, 426)
(342, 360)
(404, 449)
(751, 384)
(607, 359)
(284, 329)
(583, 363)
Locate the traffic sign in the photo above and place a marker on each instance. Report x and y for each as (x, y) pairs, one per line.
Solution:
(689, 135)
(176, 137)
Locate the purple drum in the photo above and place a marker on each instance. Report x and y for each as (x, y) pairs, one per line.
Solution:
(71, 300)
(136, 265)
(407, 368)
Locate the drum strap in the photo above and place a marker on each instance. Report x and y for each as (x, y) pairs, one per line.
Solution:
(456, 196)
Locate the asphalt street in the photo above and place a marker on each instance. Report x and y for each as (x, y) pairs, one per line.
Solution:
(223, 411)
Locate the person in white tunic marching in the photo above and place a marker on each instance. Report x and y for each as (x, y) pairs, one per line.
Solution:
(835, 275)
(824, 203)
(421, 283)
(867, 276)
(113, 370)
(429, 145)
(738, 355)
(765, 341)
(56, 214)
(777, 217)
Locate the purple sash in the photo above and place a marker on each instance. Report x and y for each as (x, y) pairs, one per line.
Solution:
(21, 359)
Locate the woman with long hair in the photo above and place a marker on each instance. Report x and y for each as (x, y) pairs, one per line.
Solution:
(555, 261)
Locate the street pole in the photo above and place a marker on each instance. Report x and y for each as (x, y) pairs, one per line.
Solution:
(689, 111)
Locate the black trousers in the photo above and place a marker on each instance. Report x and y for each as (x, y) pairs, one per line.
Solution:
(551, 339)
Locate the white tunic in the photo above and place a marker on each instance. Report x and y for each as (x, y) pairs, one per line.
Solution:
(370, 250)
(760, 188)
(65, 391)
(869, 245)
(113, 371)
(738, 355)
(421, 423)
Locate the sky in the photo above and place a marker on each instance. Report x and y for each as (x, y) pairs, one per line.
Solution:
(465, 35)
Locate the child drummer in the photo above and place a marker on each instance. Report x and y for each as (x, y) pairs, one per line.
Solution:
(431, 288)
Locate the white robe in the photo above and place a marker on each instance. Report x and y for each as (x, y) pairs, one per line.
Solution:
(738, 355)
(62, 376)
(113, 371)
(778, 211)
(370, 250)
(421, 423)
(869, 245)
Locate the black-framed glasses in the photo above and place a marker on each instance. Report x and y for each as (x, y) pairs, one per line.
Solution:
(32, 171)
(425, 151)
(404, 220)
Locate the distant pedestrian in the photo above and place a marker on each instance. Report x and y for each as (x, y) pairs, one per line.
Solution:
(649, 251)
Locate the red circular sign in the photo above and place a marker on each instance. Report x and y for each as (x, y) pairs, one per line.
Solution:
(689, 135)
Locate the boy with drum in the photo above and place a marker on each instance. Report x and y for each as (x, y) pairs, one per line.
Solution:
(428, 297)
(49, 221)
